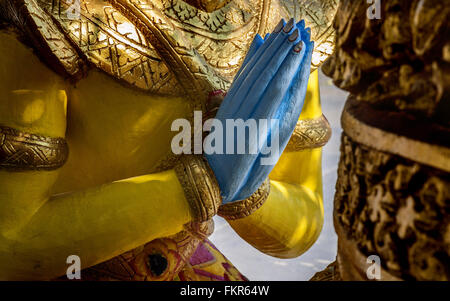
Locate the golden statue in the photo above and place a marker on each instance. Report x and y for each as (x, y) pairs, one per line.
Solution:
(88, 92)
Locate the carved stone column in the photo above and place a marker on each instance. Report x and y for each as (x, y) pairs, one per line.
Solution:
(393, 190)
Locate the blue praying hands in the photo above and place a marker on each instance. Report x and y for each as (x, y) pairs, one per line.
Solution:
(270, 85)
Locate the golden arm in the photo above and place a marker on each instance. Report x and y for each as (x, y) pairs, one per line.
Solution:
(291, 219)
(39, 231)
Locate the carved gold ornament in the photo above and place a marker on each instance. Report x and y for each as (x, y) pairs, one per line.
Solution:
(399, 62)
(407, 136)
(208, 5)
(44, 35)
(168, 47)
(241, 209)
(331, 273)
(20, 151)
(377, 212)
(352, 263)
(309, 133)
(200, 186)
(392, 194)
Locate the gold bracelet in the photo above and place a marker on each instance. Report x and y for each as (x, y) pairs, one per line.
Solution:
(241, 209)
(200, 186)
(309, 134)
(20, 151)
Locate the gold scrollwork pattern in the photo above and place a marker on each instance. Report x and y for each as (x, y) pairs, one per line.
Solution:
(21, 151)
(208, 5)
(199, 185)
(241, 209)
(45, 36)
(318, 15)
(352, 263)
(309, 133)
(331, 273)
(222, 37)
(399, 62)
(192, 72)
(412, 138)
(113, 44)
(396, 208)
(173, 47)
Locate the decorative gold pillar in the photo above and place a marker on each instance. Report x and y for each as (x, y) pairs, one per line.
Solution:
(393, 190)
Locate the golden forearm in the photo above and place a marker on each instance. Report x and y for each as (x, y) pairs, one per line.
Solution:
(287, 224)
(300, 163)
(32, 113)
(303, 168)
(96, 224)
(39, 230)
(291, 219)
(312, 107)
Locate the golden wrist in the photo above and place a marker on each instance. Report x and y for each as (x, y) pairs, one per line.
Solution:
(241, 209)
(200, 186)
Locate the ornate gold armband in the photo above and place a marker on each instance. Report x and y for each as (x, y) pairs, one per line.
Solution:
(309, 133)
(200, 186)
(20, 151)
(241, 209)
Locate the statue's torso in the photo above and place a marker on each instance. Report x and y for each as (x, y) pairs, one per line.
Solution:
(140, 65)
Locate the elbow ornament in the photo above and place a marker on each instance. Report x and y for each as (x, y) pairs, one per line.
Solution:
(21, 151)
(309, 134)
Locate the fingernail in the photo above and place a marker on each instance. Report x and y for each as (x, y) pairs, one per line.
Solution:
(308, 30)
(289, 25)
(278, 27)
(294, 35)
(298, 47)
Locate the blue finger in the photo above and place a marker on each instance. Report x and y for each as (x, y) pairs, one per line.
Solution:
(287, 114)
(280, 84)
(268, 40)
(301, 24)
(291, 64)
(263, 71)
(230, 102)
(257, 42)
(282, 92)
(284, 59)
(306, 34)
(298, 93)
